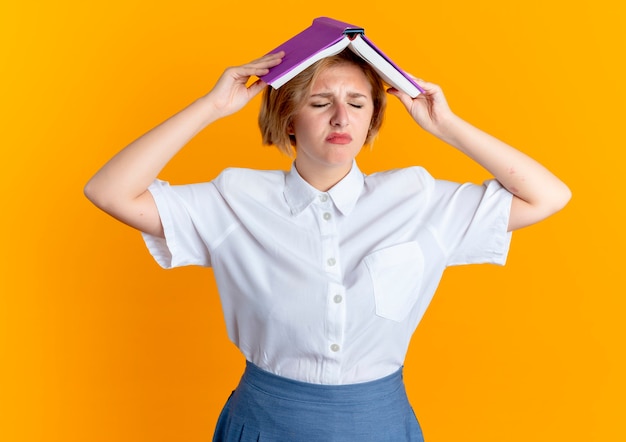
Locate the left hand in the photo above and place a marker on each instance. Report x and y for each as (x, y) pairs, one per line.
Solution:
(429, 109)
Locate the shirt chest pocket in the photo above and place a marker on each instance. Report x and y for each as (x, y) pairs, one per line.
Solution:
(396, 274)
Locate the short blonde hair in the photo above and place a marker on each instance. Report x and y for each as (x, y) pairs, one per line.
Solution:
(279, 106)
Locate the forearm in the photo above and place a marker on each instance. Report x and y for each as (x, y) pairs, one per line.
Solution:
(539, 193)
(120, 187)
(129, 173)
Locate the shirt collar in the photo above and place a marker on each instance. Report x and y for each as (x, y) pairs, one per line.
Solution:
(299, 194)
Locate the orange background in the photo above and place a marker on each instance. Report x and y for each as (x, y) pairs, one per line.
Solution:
(97, 343)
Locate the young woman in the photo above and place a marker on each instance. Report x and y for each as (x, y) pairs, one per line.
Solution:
(323, 272)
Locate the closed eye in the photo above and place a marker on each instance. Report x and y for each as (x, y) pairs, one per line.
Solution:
(320, 104)
(358, 106)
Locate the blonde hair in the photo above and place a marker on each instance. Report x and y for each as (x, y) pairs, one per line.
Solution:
(279, 106)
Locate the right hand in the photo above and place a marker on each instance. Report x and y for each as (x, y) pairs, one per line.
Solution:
(230, 93)
(120, 187)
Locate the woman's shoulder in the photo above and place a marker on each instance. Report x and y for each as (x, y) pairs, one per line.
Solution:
(415, 176)
(237, 180)
(242, 176)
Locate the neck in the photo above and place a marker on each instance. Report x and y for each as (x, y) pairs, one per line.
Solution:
(322, 178)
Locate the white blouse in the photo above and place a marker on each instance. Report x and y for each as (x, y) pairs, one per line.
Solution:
(328, 287)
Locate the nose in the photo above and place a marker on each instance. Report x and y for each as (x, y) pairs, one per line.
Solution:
(339, 117)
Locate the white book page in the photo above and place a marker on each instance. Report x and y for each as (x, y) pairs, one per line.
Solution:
(326, 52)
(386, 70)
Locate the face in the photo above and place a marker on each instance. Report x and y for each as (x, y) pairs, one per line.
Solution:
(332, 126)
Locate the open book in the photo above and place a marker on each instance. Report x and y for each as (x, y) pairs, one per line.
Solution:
(326, 37)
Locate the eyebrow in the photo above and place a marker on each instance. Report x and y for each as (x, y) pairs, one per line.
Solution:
(330, 95)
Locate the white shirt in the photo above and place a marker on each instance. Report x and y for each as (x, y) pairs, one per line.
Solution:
(328, 287)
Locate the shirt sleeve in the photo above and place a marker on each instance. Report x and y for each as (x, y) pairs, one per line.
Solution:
(471, 221)
(190, 215)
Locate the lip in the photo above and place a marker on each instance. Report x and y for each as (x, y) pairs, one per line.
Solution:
(339, 138)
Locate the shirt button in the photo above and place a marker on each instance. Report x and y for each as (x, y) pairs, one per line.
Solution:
(323, 198)
(334, 348)
(327, 216)
(331, 261)
(338, 299)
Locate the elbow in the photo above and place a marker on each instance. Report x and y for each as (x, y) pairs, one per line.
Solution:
(557, 200)
(88, 191)
(91, 192)
(96, 194)
(554, 201)
(525, 213)
(561, 198)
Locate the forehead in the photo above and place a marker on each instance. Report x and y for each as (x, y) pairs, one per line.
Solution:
(342, 77)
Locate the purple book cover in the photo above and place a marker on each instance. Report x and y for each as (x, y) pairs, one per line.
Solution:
(322, 33)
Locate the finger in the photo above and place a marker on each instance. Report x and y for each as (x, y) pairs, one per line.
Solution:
(420, 81)
(404, 98)
(427, 86)
(246, 71)
(272, 59)
(256, 87)
(258, 67)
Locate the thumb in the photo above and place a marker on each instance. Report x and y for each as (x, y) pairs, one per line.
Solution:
(256, 87)
(404, 98)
